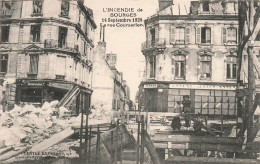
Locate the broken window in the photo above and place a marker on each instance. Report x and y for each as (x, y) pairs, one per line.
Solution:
(205, 6)
(205, 67)
(65, 8)
(231, 67)
(5, 33)
(205, 35)
(37, 7)
(62, 37)
(5, 8)
(34, 62)
(3, 63)
(152, 63)
(179, 67)
(35, 33)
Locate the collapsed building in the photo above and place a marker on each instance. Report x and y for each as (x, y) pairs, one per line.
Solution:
(46, 50)
(111, 92)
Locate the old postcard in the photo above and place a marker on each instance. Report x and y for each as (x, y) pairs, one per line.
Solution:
(129, 81)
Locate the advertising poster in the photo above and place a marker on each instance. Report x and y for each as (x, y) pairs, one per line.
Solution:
(129, 81)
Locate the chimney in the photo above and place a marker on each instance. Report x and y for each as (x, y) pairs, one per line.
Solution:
(164, 4)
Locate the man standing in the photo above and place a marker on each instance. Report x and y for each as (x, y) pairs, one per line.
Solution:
(186, 109)
(4, 101)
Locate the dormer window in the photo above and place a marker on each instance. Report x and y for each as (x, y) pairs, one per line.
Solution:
(65, 4)
(5, 8)
(37, 7)
(205, 6)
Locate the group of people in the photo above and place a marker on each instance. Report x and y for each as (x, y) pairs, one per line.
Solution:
(180, 107)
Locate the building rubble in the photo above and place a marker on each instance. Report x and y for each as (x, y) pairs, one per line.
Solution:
(29, 125)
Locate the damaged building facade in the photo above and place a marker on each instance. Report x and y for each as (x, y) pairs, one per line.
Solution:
(191, 49)
(111, 91)
(47, 48)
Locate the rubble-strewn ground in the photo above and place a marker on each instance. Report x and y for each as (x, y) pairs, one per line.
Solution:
(28, 125)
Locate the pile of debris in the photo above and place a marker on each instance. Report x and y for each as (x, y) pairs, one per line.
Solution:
(29, 125)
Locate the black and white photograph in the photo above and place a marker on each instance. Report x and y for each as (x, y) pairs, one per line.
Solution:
(129, 81)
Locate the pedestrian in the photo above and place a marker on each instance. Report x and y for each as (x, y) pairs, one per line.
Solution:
(4, 101)
(186, 109)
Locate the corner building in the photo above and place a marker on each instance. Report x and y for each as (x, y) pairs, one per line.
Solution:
(190, 49)
(47, 48)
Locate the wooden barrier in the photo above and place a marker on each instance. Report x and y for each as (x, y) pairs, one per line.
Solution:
(197, 139)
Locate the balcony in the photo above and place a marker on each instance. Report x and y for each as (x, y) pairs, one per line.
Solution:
(56, 45)
(151, 44)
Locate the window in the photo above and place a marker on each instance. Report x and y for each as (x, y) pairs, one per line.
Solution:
(205, 6)
(179, 67)
(229, 35)
(180, 35)
(205, 67)
(152, 63)
(152, 31)
(5, 8)
(35, 33)
(65, 8)
(205, 35)
(62, 37)
(3, 63)
(231, 67)
(37, 7)
(34, 62)
(61, 65)
(5, 33)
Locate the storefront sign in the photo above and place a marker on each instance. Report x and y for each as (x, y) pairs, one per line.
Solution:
(208, 87)
(150, 86)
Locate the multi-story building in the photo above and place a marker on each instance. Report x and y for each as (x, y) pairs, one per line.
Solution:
(191, 49)
(47, 47)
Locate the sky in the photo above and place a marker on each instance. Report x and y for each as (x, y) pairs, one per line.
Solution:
(125, 41)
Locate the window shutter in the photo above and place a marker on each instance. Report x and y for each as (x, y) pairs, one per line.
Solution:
(224, 35)
(187, 35)
(198, 35)
(173, 30)
(156, 32)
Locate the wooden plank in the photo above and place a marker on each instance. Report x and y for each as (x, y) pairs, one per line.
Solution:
(202, 147)
(13, 153)
(199, 160)
(6, 149)
(151, 149)
(196, 139)
(56, 138)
